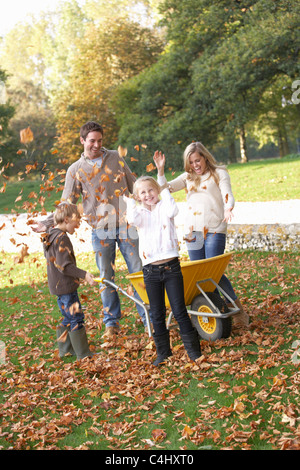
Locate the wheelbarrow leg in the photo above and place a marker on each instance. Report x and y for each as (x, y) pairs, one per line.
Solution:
(134, 299)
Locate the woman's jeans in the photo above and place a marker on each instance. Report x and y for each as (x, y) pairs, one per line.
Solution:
(70, 307)
(213, 245)
(158, 278)
(104, 245)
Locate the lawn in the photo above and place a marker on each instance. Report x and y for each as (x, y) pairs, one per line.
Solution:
(258, 180)
(244, 394)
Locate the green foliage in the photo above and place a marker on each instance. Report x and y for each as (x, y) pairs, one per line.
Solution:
(208, 71)
(6, 108)
(221, 62)
(65, 68)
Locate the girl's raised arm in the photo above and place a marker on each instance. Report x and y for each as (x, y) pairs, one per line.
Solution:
(159, 160)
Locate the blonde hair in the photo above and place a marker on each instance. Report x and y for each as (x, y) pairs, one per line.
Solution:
(65, 209)
(143, 179)
(211, 163)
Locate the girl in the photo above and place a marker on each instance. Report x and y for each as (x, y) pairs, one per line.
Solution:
(158, 245)
(210, 203)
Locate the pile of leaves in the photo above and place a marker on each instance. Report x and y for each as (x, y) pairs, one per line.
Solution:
(242, 394)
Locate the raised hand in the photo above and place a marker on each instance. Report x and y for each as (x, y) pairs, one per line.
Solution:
(159, 160)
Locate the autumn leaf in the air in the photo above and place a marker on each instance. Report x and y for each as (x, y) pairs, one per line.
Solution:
(122, 151)
(150, 167)
(26, 135)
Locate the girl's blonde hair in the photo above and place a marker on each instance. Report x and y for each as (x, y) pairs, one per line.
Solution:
(143, 179)
(211, 163)
(65, 209)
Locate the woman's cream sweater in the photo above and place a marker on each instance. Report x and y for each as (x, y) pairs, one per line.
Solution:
(206, 201)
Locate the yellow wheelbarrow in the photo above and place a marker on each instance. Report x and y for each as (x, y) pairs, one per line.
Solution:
(209, 313)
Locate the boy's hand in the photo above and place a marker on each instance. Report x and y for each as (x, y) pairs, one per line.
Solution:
(39, 227)
(90, 279)
(159, 160)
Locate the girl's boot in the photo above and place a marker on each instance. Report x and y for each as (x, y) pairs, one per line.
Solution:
(192, 344)
(163, 349)
(80, 343)
(64, 345)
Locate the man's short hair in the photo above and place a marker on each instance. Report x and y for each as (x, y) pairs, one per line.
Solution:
(88, 127)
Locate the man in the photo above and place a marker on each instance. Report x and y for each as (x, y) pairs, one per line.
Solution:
(102, 177)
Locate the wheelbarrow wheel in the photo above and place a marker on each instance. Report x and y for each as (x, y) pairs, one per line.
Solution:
(210, 328)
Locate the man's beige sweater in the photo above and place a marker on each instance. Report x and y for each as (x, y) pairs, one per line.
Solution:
(101, 188)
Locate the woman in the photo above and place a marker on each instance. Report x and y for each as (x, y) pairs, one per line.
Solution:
(209, 208)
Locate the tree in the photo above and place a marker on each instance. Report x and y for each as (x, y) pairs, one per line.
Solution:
(65, 66)
(220, 61)
(23, 59)
(6, 113)
(105, 58)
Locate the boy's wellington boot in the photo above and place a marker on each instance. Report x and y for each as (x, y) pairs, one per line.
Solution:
(80, 343)
(163, 349)
(192, 344)
(64, 345)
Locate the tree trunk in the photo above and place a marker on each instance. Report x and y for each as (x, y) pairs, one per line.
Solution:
(232, 151)
(283, 144)
(280, 144)
(243, 149)
(286, 147)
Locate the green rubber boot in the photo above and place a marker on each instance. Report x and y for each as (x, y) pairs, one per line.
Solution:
(80, 343)
(64, 345)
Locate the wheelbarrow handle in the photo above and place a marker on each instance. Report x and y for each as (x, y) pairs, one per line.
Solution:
(102, 280)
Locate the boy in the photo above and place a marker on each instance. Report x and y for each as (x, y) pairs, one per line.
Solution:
(63, 280)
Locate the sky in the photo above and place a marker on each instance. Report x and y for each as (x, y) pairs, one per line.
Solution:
(14, 11)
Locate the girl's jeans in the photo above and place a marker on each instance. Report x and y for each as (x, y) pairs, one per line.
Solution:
(104, 245)
(213, 245)
(167, 276)
(70, 307)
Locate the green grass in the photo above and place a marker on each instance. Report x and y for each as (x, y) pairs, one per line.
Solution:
(30, 195)
(243, 395)
(261, 180)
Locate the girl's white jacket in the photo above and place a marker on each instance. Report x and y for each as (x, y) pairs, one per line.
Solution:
(156, 228)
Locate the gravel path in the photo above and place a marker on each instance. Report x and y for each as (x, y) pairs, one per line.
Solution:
(15, 232)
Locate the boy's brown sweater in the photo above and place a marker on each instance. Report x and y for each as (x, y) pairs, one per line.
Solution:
(63, 274)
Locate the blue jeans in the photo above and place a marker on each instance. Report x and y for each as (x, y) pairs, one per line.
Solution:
(104, 245)
(214, 245)
(158, 278)
(70, 307)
